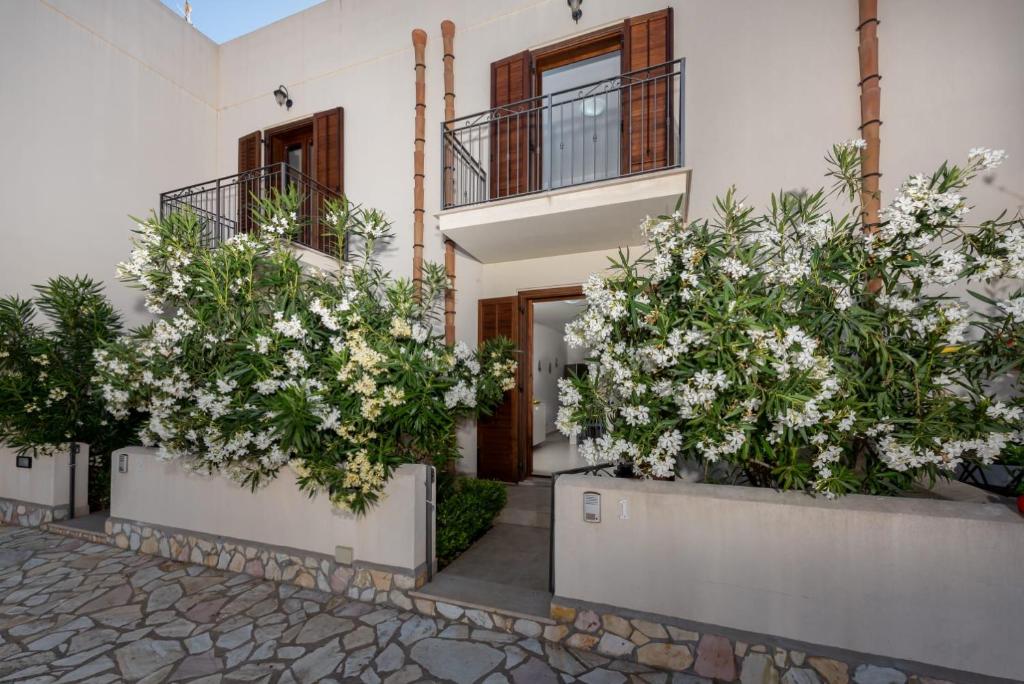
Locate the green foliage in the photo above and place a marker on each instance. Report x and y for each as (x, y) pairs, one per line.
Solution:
(47, 394)
(265, 363)
(789, 348)
(465, 510)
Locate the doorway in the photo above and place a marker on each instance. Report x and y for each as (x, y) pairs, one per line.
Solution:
(551, 361)
(581, 132)
(293, 145)
(505, 439)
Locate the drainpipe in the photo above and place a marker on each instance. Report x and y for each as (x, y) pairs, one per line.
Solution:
(870, 109)
(419, 44)
(448, 35)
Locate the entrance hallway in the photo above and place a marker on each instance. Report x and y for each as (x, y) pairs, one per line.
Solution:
(506, 570)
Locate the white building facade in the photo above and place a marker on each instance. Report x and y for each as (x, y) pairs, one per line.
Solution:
(134, 102)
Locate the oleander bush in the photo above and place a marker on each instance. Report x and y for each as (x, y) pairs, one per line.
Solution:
(47, 397)
(792, 348)
(257, 363)
(466, 508)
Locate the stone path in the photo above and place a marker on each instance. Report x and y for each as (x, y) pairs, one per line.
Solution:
(75, 611)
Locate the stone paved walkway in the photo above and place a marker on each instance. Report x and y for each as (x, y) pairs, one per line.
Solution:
(74, 611)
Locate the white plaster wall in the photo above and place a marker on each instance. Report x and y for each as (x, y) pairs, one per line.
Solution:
(952, 79)
(46, 482)
(393, 533)
(930, 581)
(107, 103)
(746, 123)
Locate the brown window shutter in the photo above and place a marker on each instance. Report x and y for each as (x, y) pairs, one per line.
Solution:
(497, 435)
(648, 94)
(248, 184)
(249, 152)
(328, 169)
(511, 160)
(328, 148)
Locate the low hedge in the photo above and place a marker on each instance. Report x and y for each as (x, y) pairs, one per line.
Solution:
(465, 510)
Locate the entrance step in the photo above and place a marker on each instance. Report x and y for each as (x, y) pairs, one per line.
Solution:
(505, 571)
(91, 528)
(529, 504)
(490, 597)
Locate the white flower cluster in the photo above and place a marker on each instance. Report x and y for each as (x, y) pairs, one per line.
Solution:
(245, 364)
(986, 158)
(917, 215)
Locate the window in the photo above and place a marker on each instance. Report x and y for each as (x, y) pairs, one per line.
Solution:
(580, 136)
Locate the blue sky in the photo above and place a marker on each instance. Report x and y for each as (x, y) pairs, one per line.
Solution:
(223, 20)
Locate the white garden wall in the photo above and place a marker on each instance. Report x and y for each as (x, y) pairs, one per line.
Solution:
(928, 581)
(42, 491)
(158, 493)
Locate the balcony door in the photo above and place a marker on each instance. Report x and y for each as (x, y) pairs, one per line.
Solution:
(292, 145)
(580, 132)
(313, 150)
(589, 108)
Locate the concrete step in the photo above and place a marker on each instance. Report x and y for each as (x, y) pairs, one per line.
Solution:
(90, 527)
(491, 597)
(525, 516)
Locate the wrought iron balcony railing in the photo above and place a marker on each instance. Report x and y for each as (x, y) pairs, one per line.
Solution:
(226, 205)
(622, 126)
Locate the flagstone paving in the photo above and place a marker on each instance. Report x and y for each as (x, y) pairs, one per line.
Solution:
(75, 611)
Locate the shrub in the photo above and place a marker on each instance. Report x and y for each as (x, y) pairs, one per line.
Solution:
(465, 510)
(794, 349)
(263, 364)
(47, 394)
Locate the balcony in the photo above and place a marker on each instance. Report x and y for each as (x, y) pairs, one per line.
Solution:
(567, 171)
(226, 206)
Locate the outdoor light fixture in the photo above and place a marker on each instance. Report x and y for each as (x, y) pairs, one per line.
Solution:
(281, 95)
(574, 5)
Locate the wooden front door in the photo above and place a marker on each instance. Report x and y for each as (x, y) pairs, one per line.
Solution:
(497, 435)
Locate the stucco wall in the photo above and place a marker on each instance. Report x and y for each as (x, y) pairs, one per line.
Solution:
(935, 582)
(161, 493)
(107, 103)
(46, 482)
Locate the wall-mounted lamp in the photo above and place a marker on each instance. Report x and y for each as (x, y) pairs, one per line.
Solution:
(575, 5)
(281, 95)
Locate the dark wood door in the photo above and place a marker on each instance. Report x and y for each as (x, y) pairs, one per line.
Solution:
(497, 435)
(294, 147)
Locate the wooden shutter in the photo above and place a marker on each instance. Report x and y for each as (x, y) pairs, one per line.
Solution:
(497, 435)
(647, 129)
(329, 168)
(248, 183)
(328, 148)
(512, 165)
